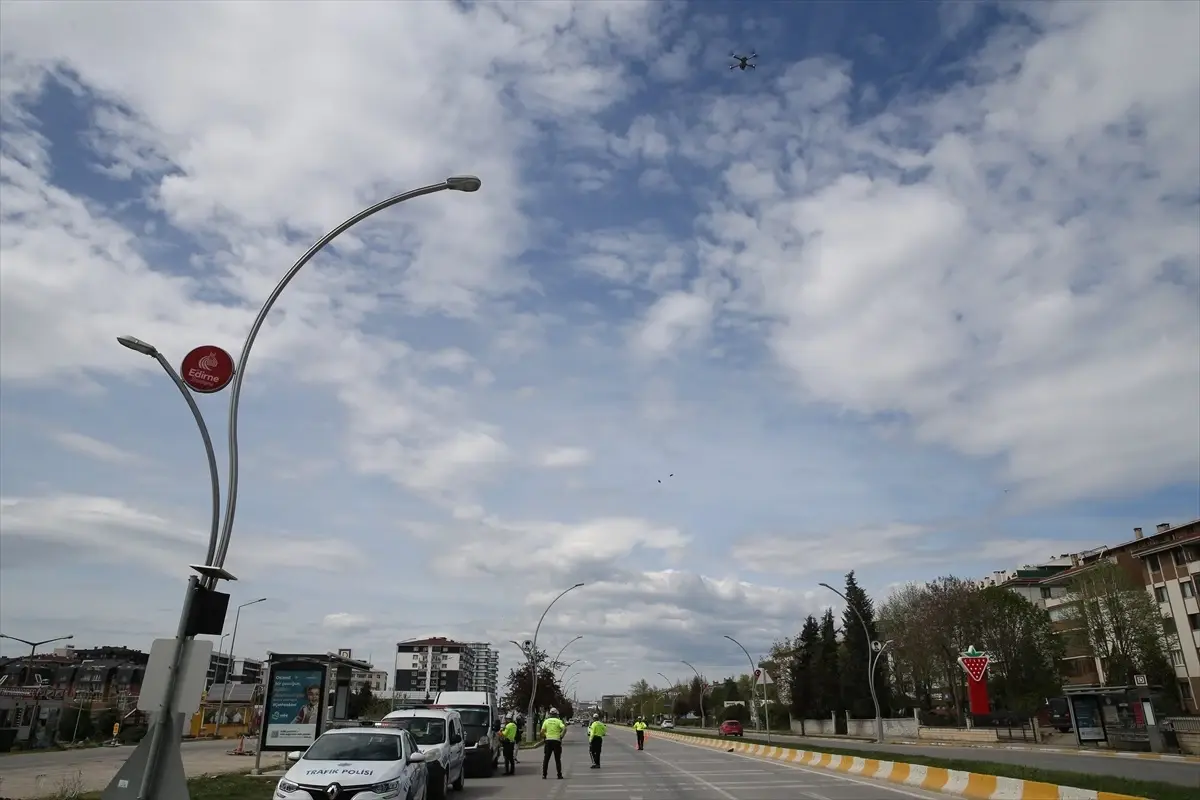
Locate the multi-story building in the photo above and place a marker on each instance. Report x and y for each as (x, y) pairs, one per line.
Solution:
(374, 679)
(1167, 563)
(486, 673)
(223, 667)
(432, 665)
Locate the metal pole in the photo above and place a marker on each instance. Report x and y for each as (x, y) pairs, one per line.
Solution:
(228, 673)
(565, 646)
(465, 183)
(213, 476)
(166, 715)
(700, 681)
(529, 737)
(752, 678)
(871, 660)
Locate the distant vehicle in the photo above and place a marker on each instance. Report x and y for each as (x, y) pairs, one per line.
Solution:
(363, 762)
(730, 727)
(666, 724)
(1059, 713)
(481, 723)
(438, 734)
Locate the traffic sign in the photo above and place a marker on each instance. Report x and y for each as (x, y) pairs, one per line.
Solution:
(757, 673)
(1140, 680)
(207, 369)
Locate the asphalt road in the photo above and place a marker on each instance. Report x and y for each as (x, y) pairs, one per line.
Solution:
(27, 775)
(1179, 773)
(669, 771)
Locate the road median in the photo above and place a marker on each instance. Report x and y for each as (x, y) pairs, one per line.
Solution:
(973, 780)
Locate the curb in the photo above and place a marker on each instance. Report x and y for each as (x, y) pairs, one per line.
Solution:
(972, 785)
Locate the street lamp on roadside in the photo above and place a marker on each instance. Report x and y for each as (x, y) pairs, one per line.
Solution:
(700, 682)
(874, 651)
(529, 733)
(565, 646)
(214, 567)
(147, 349)
(33, 646)
(753, 669)
(229, 665)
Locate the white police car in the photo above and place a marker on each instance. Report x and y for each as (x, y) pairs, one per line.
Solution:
(357, 764)
(438, 733)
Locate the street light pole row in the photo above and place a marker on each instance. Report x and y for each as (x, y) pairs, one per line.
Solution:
(874, 652)
(221, 532)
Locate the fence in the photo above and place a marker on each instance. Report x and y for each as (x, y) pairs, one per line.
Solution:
(844, 725)
(1187, 733)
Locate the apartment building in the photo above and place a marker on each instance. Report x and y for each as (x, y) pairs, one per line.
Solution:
(432, 665)
(1167, 563)
(485, 675)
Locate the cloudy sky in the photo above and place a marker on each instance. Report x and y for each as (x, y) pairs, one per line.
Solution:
(918, 295)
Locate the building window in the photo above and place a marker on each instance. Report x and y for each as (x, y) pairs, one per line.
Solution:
(1188, 588)
(1185, 689)
(1194, 621)
(1046, 593)
(1152, 562)
(1160, 594)
(1179, 558)
(1177, 658)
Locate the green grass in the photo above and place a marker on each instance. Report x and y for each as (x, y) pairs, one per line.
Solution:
(1152, 790)
(222, 787)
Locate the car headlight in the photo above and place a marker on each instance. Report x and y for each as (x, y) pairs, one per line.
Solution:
(286, 787)
(386, 786)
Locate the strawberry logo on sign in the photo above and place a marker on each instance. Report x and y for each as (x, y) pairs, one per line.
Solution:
(974, 662)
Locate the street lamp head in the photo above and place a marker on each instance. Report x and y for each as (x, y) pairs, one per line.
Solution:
(464, 183)
(137, 345)
(261, 600)
(576, 586)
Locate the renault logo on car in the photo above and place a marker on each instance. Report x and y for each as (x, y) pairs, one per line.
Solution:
(333, 791)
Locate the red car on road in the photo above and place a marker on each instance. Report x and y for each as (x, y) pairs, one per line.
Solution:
(730, 727)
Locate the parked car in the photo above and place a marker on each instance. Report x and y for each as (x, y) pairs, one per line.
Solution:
(730, 727)
(667, 724)
(438, 734)
(366, 762)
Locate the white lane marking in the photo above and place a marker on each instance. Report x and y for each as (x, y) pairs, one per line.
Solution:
(811, 771)
(695, 778)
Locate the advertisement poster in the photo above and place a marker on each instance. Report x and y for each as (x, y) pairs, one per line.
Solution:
(295, 706)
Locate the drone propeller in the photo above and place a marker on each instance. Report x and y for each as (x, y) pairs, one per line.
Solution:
(733, 66)
(752, 55)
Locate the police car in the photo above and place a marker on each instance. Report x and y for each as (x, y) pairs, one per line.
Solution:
(438, 733)
(358, 764)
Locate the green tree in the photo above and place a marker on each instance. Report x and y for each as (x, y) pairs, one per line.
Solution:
(801, 673)
(855, 655)
(827, 685)
(519, 685)
(1023, 648)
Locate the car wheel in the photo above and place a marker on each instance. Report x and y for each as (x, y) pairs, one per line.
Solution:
(438, 785)
(462, 779)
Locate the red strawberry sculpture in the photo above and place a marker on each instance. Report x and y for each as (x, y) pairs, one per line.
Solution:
(975, 664)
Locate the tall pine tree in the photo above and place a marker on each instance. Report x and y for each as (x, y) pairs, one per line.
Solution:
(826, 681)
(803, 664)
(856, 648)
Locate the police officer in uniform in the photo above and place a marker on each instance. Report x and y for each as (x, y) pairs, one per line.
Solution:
(596, 733)
(508, 741)
(553, 729)
(639, 728)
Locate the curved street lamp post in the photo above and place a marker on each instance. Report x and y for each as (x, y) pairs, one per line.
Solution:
(33, 646)
(700, 681)
(766, 708)
(214, 567)
(874, 651)
(229, 668)
(564, 647)
(529, 732)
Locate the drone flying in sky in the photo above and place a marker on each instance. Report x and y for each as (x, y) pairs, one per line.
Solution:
(743, 61)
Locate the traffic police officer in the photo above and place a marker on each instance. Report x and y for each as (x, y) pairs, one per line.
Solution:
(596, 733)
(508, 741)
(639, 727)
(553, 729)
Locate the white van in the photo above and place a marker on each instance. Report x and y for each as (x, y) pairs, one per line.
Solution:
(481, 725)
(438, 734)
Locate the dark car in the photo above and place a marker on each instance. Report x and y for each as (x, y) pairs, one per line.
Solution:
(730, 727)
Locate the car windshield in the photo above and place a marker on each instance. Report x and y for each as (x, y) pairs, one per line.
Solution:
(356, 747)
(424, 730)
(474, 720)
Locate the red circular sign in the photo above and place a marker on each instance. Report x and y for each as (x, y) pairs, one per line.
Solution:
(207, 369)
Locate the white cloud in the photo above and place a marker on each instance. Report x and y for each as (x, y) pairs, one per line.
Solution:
(559, 457)
(93, 448)
(346, 622)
